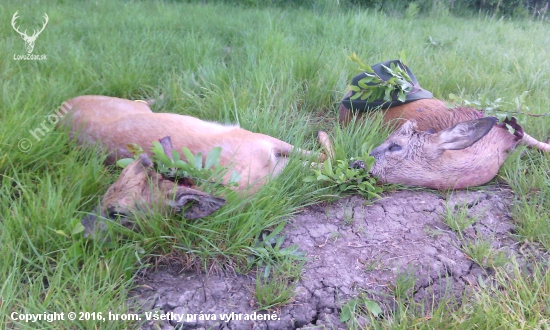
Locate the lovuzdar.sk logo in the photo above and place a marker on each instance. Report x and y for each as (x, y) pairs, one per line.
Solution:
(29, 40)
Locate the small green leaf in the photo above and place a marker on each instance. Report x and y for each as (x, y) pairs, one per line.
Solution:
(323, 177)
(328, 167)
(175, 156)
(387, 95)
(317, 172)
(134, 149)
(348, 310)
(235, 177)
(78, 228)
(368, 69)
(362, 84)
(188, 155)
(277, 230)
(182, 165)
(401, 96)
(378, 94)
(61, 232)
(124, 162)
(140, 250)
(159, 154)
(75, 251)
(267, 270)
(198, 161)
(213, 157)
(356, 96)
(309, 179)
(373, 307)
(366, 95)
(480, 282)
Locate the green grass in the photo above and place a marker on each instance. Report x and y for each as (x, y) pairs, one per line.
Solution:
(514, 300)
(457, 217)
(276, 70)
(478, 249)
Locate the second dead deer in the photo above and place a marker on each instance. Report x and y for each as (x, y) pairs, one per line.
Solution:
(441, 148)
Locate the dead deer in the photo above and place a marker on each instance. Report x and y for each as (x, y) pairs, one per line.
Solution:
(29, 40)
(441, 148)
(116, 123)
(140, 189)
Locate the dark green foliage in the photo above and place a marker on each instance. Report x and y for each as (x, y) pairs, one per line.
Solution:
(509, 8)
(515, 8)
(536, 9)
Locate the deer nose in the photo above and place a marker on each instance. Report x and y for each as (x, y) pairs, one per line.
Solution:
(375, 153)
(357, 164)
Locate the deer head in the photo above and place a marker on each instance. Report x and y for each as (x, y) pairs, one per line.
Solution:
(140, 189)
(29, 40)
(441, 160)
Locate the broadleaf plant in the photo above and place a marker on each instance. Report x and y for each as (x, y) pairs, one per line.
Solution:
(207, 175)
(346, 178)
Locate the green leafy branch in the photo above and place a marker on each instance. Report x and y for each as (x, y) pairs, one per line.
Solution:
(207, 175)
(498, 107)
(372, 87)
(347, 179)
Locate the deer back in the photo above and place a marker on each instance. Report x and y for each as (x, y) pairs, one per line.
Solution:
(115, 123)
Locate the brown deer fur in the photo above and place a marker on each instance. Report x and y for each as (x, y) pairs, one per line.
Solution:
(140, 189)
(442, 148)
(115, 123)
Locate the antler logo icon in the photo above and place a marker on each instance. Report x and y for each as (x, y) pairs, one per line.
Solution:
(29, 40)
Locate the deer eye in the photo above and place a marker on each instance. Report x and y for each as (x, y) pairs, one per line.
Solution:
(394, 147)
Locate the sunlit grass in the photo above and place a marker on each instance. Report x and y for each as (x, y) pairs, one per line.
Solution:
(279, 71)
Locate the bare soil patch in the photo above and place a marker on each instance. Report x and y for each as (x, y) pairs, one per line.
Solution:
(352, 247)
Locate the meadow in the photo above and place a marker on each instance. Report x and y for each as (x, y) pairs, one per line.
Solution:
(276, 70)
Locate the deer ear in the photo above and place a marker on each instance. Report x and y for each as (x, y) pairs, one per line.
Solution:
(464, 134)
(145, 161)
(409, 127)
(195, 204)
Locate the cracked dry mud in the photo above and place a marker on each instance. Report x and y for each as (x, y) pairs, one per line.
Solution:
(351, 248)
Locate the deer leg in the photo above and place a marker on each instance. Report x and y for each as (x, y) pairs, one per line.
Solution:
(325, 143)
(531, 142)
(285, 149)
(524, 138)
